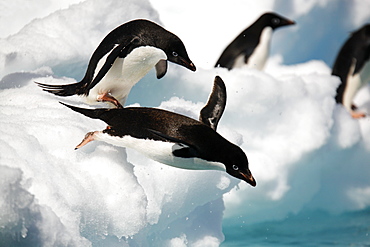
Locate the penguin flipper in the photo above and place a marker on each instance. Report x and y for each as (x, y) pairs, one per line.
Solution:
(225, 61)
(161, 68)
(235, 49)
(247, 53)
(211, 113)
(181, 149)
(119, 51)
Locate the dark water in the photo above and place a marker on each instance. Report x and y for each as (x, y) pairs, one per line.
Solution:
(306, 229)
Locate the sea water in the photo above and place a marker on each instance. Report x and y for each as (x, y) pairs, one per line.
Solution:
(310, 228)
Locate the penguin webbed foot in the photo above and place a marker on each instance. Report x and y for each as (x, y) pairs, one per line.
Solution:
(357, 115)
(88, 138)
(109, 98)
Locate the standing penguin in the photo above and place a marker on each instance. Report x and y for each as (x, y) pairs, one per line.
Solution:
(125, 56)
(174, 139)
(353, 68)
(252, 46)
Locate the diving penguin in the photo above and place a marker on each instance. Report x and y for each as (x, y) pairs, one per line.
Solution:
(353, 68)
(125, 56)
(251, 47)
(174, 139)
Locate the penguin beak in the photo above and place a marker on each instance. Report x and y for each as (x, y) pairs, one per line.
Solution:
(289, 22)
(249, 178)
(187, 64)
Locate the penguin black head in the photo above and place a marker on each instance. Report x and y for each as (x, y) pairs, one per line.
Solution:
(237, 166)
(153, 34)
(150, 33)
(274, 20)
(176, 52)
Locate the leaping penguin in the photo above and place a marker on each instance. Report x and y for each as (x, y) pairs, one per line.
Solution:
(353, 68)
(252, 46)
(174, 139)
(125, 56)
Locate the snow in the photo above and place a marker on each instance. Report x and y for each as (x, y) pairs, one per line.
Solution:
(305, 151)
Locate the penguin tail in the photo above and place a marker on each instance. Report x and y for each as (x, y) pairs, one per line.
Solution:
(91, 113)
(64, 90)
(104, 114)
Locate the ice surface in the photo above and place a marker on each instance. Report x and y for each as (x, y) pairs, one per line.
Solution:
(305, 151)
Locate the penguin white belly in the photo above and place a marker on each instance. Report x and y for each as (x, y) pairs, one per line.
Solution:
(258, 58)
(125, 72)
(352, 86)
(160, 151)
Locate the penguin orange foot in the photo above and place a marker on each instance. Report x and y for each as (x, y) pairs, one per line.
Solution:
(89, 137)
(106, 97)
(358, 114)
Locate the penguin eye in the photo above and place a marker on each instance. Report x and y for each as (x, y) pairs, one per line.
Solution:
(275, 21)
(174, 54)
(235, 167)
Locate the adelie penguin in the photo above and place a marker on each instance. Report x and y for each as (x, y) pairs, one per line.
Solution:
(125, 56)
(353, 68)
(252, 46)
(174, 139)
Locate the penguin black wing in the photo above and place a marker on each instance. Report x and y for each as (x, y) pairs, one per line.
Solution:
(240, 46)
(211, 113)
(121, 51)
(183, 149)
(161, 68)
